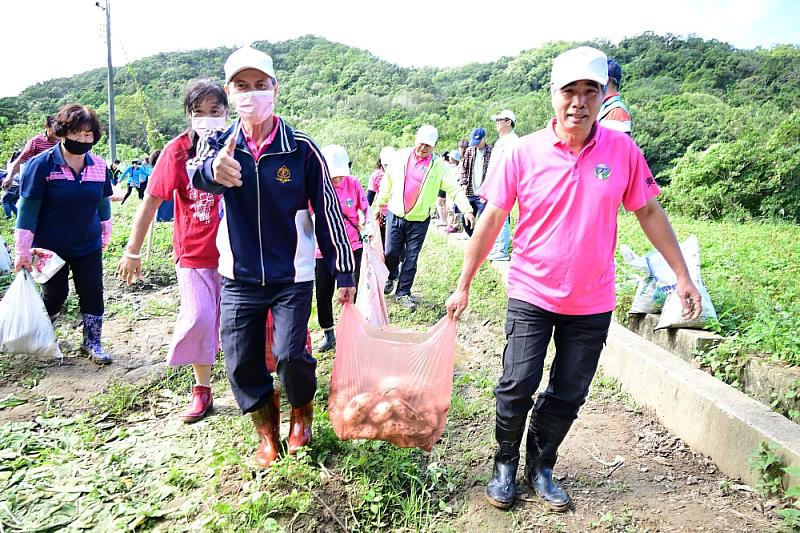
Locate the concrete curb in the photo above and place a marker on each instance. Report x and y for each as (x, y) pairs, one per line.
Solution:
(681, 342)
(713, 418)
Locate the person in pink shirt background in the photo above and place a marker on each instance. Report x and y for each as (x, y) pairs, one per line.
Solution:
(35, 146)
(569, 180)
(355, 210)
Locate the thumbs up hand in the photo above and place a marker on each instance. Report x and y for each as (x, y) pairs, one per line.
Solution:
(227, 171)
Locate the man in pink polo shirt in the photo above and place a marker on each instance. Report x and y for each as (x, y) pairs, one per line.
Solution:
(569, 180)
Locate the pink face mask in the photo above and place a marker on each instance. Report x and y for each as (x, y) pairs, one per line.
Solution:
(255, 106)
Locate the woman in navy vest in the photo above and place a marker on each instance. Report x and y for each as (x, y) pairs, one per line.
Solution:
(65, 208)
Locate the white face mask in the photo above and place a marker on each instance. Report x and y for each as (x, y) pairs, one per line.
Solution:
(202, 125)
(255, 106)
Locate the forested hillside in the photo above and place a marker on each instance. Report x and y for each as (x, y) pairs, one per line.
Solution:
(719, 126)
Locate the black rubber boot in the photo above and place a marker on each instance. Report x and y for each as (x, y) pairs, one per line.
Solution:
(329, 342)
(502, 488)
(545, 434)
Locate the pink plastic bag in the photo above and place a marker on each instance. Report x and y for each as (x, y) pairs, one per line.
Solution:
(371, 301)
(391, 384)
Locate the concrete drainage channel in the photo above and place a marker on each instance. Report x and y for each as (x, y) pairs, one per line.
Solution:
(713, 418)
(710, 416)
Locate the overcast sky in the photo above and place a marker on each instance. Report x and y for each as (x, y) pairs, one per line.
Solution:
(44, 39)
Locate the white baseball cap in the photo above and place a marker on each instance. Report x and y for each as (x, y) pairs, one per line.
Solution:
(506, 114)
(245, 58)
(337, 159)
(427, 134)
(582, 63)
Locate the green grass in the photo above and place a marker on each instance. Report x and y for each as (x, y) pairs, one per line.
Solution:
(160, 267)
(608, 388)
(752, 272)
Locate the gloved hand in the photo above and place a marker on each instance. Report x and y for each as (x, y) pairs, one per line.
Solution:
(23, 240)
(105, 237)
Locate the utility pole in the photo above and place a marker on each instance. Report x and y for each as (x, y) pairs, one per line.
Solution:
(112, 123)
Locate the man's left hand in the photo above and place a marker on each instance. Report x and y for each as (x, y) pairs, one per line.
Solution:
(346, 295)
(691, 301)
(469, 220)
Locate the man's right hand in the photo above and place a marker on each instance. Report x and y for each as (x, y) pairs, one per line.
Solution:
(6, 183)
(457, 303)
(227, 170)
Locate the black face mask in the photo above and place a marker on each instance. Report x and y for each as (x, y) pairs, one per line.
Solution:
(77, 147)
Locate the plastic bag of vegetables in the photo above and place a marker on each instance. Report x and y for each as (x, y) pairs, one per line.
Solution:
(391, 384)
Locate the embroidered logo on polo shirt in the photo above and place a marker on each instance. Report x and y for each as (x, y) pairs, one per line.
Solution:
(284, 175)
(602, 171)
(349, 202)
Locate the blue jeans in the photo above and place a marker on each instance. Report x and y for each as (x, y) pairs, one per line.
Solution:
(243, 331)
(503, 241)
(478, 205)
(10, 201)
(579, 339)
(404, 236)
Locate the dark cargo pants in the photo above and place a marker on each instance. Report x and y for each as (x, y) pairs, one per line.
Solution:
(243, 330)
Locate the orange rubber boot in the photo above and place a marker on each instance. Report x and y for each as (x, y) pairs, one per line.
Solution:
(268, 422)
(300, 426)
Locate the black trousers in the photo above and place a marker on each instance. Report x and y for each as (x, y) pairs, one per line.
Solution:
(87, 276)
(326, 284)
(243, 331)
(404, 236)
(579, 339)
(139, 190)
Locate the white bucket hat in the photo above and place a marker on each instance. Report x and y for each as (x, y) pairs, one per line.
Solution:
(337, 159)
(387, 154)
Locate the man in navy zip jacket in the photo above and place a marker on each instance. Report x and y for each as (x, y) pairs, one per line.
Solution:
(272, 178)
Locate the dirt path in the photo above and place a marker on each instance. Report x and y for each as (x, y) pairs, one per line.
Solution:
(656, 482)
(137, 340)
(659, 485)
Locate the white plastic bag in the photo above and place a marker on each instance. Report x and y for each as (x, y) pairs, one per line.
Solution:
(5, 258)
(44, 264)
(371, 301)
(649, 297)
(25, 327)
(118, 192)
(671, 314)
